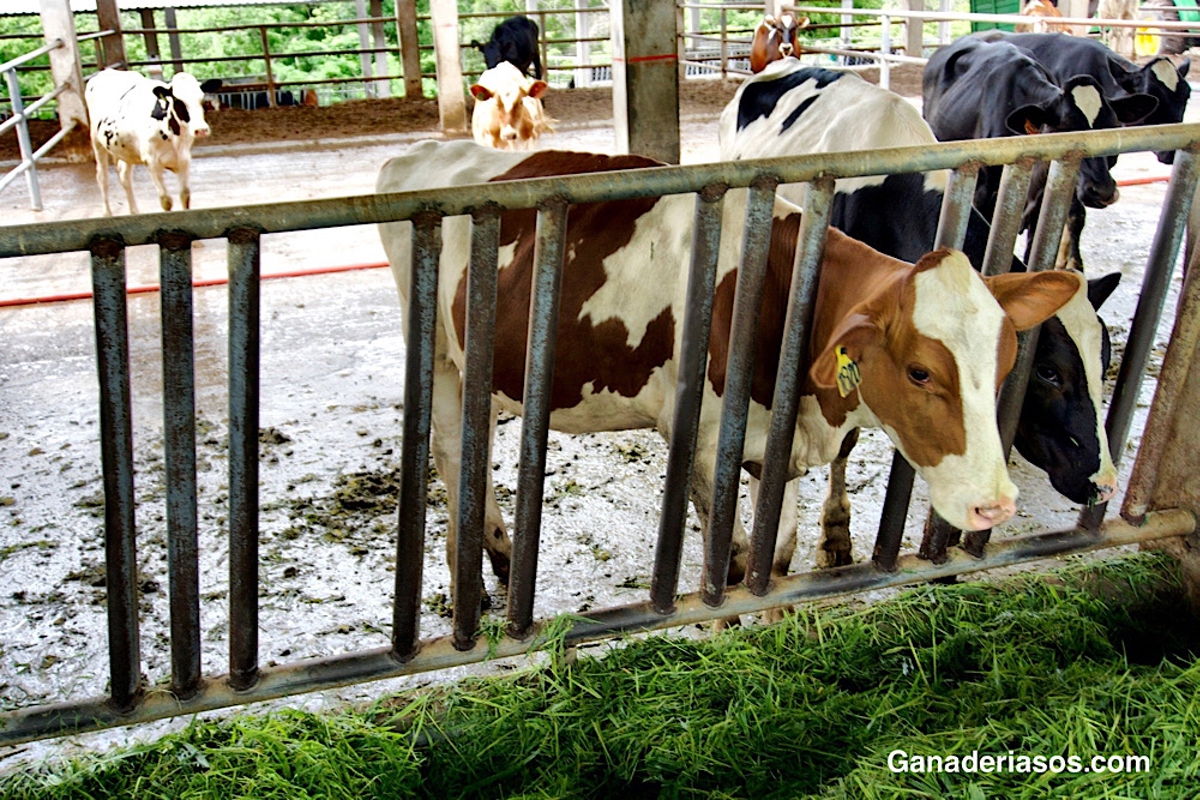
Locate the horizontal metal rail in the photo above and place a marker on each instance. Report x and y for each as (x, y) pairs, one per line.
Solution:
(45, 238)
(444, 652)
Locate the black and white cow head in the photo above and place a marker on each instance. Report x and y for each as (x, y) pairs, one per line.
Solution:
(1163, 81)
(1082, 106)
(179, 104)
(1060, 429)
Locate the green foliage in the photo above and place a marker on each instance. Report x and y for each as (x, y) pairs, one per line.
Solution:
(1098, 659)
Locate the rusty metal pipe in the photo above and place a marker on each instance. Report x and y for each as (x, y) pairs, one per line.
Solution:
(689, 392)
(116, 459)
(419, 337)
(785, 404)
(244, 258)
(542, 341)
(735, 402)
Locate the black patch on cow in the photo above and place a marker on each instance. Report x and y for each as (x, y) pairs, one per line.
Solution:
(800, 109)
(760, 98)
(160, 109)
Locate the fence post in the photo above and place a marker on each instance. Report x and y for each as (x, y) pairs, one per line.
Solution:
(108, 18)
(151, 37)
(914, 30)
(452, 107)
(383, 88)
(645, 82)
(410, 53)
(364, 42)
(58, 23)
(173, 40)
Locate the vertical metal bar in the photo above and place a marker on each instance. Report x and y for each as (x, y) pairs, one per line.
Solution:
(116, 458)
(414, 459)
(951, 230)
(785, 405)
(179, 444)
(1142, 331)
(539, 381)
(689, 391)
(739, 372)
(244, 354)
(1006, 219)
(23, 142)
(1172, 379)
(476, 420)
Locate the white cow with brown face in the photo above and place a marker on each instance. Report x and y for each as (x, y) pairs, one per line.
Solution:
(508, 111)
(931, 341)
(135, 120)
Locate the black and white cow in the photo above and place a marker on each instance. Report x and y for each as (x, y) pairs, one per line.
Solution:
(136, 120)
(1067, 56)
(790, 109)
(978, 89)
(514, 40)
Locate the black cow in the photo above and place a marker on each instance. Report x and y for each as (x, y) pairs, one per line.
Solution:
(976, 89)
(1066, 56)
(514, 40)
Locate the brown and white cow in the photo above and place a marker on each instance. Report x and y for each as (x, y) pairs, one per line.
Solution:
(1042, 15)
(931, 341)
(508, 112)
(136, 120)
(775, 39)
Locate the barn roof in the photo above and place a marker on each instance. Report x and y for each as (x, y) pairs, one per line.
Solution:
(12, 8)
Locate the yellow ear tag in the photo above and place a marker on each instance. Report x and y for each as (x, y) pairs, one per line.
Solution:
(848, 376)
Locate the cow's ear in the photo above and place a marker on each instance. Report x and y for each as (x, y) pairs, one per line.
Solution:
(1027, 120)
(480, 93)
(844, 348)
(1133, 109)
(162, 92)
(1099, 289)
(1033, 297)
(211, 85)
(1125, 78)
(538, 88)
(1184, 67)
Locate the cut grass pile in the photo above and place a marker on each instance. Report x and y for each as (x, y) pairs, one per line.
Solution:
(1098, 659)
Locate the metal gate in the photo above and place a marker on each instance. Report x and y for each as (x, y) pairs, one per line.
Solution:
(1162, 500)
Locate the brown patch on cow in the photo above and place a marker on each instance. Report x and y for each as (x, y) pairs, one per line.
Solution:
(590, 352)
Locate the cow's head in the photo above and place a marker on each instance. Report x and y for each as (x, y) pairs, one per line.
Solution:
(181, 104)
(776, 38)
(926, 356)
(1165, 82)
(1061, 428)
(508, 110)
(1082, 106)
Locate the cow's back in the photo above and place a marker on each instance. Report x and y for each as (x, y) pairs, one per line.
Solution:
(120, 109)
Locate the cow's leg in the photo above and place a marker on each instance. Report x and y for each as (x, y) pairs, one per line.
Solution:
(156, 175)
(125, 175)
(102, 173)
(835, 548)
(185, 190)
(1069, 255)
(702, 497)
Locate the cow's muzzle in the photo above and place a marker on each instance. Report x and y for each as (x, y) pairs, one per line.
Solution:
(984, 517)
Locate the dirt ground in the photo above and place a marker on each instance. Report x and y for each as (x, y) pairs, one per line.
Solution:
(233, 126)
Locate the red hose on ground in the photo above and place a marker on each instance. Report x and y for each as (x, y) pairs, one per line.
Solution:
(299, 273)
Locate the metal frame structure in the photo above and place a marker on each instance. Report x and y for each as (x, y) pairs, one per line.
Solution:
(1152, 512)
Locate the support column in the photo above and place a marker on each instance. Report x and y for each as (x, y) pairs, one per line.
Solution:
(151, 38)
(108, 17)
(452, 106)
(59, 23)
(914, 30)
(410, 53)
(382, 88)
(645, 80)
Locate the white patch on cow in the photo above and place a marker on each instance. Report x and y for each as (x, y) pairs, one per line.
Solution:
(1088, 101)
(954, 306)
(1083, 326)
(1165, 72)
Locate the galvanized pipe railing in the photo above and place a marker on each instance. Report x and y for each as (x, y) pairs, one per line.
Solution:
(174, 232)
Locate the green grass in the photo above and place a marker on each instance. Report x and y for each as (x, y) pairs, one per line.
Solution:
(1092, 660)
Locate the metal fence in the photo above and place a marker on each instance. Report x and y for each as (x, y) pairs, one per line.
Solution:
(131, 700)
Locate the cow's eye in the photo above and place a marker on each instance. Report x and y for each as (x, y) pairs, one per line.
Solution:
(918, 376)
(1048, 374)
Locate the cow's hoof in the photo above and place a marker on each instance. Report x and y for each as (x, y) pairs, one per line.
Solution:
(501, 565)
(829, 557)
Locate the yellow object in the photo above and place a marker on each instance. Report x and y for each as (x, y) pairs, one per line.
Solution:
(848, 375)
(1145, 42)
